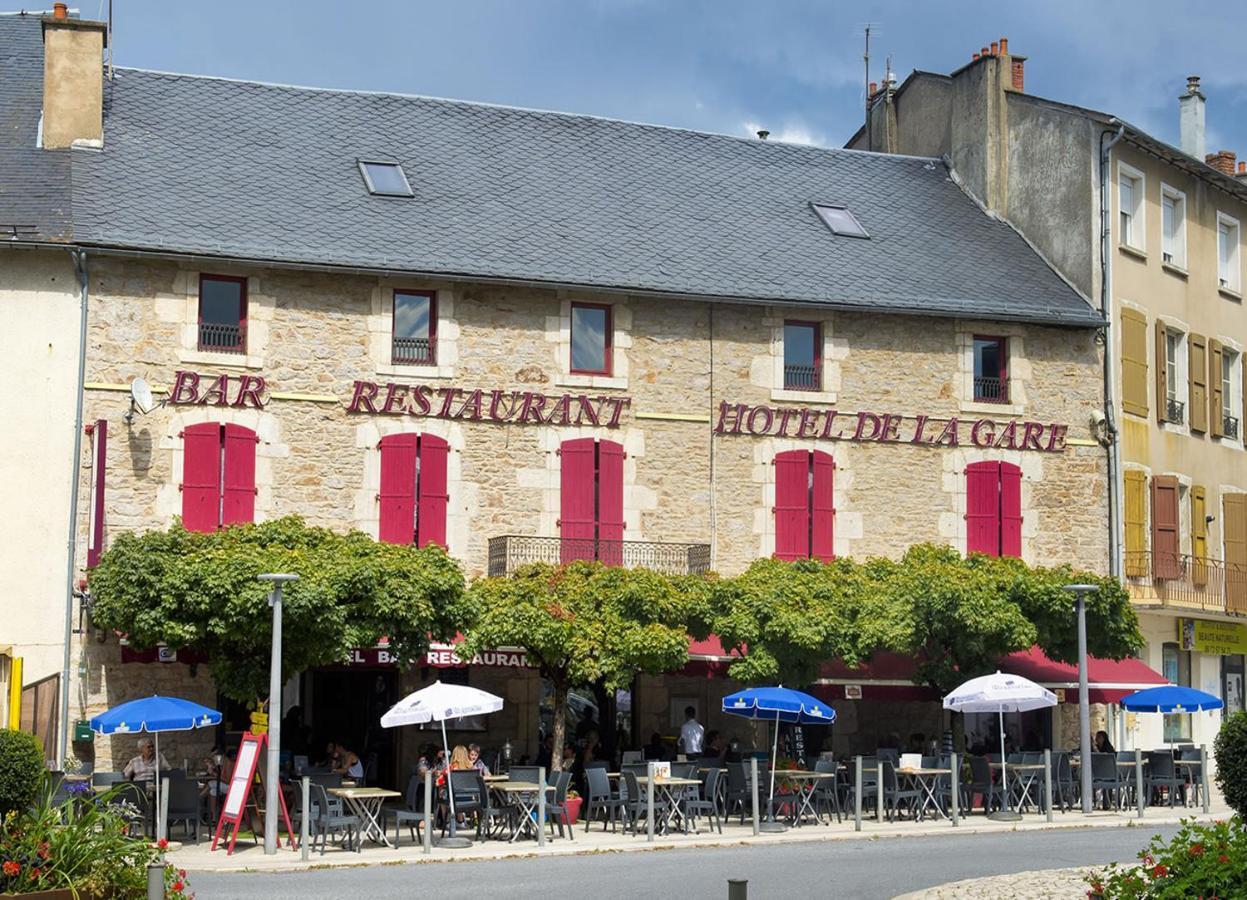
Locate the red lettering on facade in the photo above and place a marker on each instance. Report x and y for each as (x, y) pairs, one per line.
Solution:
(471, 408)
(395, 394)
(533, 405)
(1056, 438)
(423, 396)
(1007, 437)
(983, 433)
(737, 411)
(186, 388)
(921, 426)
(751, 421)
(875, 425)
(617, 405)
(249, 392)
(949, 434)
(891, 430)
(1031, 433)
(809, 419)
(561, 414)
(827, 423)
(448, 397)
(785, 416)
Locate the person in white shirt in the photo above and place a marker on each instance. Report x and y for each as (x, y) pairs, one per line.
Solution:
(692, 733)
(142, 768)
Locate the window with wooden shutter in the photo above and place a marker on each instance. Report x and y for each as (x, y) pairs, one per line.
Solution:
(822, 506)
(591, 521)
(1162, 371)
(1197, 366)
(1234, 533)
(804, 505)
(218, 475)
(1010, 510)
(413, 496)
(610, 515)
(1135, 515)
(1134, 362)
(994, 509)
(1199, 535)
(1166, 540)
(431, 491)
(1216, 414)
(238, 475)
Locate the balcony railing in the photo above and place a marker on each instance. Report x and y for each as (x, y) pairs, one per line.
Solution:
(414, 351)
(1229, 426)
(1187, 582)
(801, 378)
(219, 337)
(1175, 411)
(508, 552)
(991, 390)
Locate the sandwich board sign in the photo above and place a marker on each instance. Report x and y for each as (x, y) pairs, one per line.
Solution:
(242, 779)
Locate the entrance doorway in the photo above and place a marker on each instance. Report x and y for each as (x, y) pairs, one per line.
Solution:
(345, 706)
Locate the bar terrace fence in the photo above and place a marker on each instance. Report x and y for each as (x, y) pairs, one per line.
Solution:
(510, 551)
(1188, 582)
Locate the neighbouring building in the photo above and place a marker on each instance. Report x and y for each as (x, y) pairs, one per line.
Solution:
(527, 335)
(1154, 233)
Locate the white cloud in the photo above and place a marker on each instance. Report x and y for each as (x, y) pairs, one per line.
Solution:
(792, 132)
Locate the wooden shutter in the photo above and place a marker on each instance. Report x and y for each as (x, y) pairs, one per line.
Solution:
(1242, 380)
(1134, 362)
(238, 471)
(610, 516)
(1197, 367)
(983, 508)
(1199, 535)
(822, 507)
(1166, 546)
(432, 497)
(792, 504)
(577, 499)
(99, 469)
(1234, 530)
(1135, 502)
(201, 477)
(1162, 371)
(1215, 411)
(1010, 510)
(397, 496)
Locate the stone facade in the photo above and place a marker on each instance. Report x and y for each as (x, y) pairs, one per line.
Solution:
(316, 334)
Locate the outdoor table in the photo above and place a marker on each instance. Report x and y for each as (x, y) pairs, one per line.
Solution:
(1026, 784)
(667, 787)
(925, 779)
(524, 796)
(366, 802)
(806, 784)
(495, 779)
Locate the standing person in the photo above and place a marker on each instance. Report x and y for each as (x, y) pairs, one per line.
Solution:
(692, 733)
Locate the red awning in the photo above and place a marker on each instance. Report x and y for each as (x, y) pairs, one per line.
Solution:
(1109, 680)
(887, 676)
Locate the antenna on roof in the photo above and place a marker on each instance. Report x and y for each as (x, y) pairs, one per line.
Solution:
(110, 40)
(866, 59)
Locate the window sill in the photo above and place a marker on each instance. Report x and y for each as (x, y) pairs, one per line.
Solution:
(1133, 251)
(803, 396)
(228, 360)
(1174, 428)
(606, 382)
(1174, 269)
(405, 371)
(989, 409)
(1230, 293)
(1233, 443)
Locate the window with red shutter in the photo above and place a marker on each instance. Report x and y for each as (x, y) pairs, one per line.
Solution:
(218, 475)
(431, 491)
(822, 506)
(610, 518)
(413, 497)
(994, 509)
(1010, 510)
(591, 522)
(804, 507)
(238, 475)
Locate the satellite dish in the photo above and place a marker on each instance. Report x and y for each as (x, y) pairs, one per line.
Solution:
(141, 396)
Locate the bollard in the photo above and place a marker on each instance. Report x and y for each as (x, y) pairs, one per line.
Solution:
(1140, 796)
(1203, 774)
(753, 782)
(879, 792)
(857, 793)
(649, 803)
(1047, 783)
(954, 784)
(541, 807)
(306, 788)
(156, 880)
(737, 889)
(428, 811)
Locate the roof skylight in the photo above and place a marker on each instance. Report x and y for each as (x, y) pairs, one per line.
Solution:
(840, 220)
(385, 179)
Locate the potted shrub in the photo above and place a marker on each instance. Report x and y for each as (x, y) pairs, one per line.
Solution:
(574, 803)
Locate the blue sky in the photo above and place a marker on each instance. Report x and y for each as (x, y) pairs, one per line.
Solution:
(792, 66)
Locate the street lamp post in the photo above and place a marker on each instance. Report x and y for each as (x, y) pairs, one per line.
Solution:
(1080, 592)
(271, 785)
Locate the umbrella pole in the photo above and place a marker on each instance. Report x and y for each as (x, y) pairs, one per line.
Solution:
(157, 823)
(771, 824)
(1004, 814)
(454, 841)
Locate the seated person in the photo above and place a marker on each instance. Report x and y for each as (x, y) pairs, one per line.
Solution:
(1102, 744)
(474, 756)
(347, 764)
(142, 768)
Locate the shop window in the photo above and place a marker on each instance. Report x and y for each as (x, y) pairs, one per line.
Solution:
(414, 329)
(991, 374)
(413, 496)
(591, 522)
(803, 356)
(218, 475)
(1135, 502)
(994, 509)
(590, 339)
(1166, 537)
(1176, 667)
(804, 505)
(222, 314)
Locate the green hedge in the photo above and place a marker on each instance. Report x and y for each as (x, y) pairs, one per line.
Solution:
(1231, 749)
(21, 768)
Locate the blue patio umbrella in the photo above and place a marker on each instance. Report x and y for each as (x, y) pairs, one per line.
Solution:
(1171, 698)
(778, 704)
(155, 714)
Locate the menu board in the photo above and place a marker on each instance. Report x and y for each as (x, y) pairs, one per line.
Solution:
(244, 772)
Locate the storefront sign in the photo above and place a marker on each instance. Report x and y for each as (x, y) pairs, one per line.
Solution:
(441, 656)
(476, 405)
(852, 692)
(1213, 638)
(888, 428)
(192, 389)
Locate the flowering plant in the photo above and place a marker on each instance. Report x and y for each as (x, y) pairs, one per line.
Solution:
(1202, 860)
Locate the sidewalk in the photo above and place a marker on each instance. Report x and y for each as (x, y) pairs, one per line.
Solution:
(250, 858)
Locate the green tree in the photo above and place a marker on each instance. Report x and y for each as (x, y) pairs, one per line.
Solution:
(187, 589)
(584, 624)
(21, 770)
(1230, 748)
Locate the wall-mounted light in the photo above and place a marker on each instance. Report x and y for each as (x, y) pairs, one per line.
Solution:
(1208, 520)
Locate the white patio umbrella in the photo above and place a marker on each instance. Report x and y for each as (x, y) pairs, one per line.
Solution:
(437, 703)
(1000, 693)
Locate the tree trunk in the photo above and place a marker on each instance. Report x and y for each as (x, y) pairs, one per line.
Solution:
(560, 726)
(607, 713)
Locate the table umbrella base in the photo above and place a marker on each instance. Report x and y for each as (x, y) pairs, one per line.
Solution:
(453, 843)
(769, 827)
(1005, 815)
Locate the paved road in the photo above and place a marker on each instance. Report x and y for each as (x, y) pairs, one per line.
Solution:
(843, 869)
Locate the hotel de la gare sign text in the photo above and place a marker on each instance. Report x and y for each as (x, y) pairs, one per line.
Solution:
(512, 407)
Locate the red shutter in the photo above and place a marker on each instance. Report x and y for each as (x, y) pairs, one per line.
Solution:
(398, 489)
(983, 508)
(433, 499)
(822, 508)
(99, 460)
(201, 477)
(1010, 510)
(577, 500)
(792, 504)
(1166, 553)
(610, 517)
(238, 497)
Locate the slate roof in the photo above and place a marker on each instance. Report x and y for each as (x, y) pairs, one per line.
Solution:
(34, 183)
(209, 166)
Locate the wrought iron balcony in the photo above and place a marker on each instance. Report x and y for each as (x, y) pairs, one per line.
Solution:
(219, 337)
(510, 551)
(802, 378)
(1187, 582)
(1229, 426)
(1175, 411)
(414, 351)
(991, 390)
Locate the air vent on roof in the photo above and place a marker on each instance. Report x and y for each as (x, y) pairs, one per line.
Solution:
(840, 220)
(385, 179)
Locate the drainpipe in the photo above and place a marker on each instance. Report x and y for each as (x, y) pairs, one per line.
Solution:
(80, 270)
(1115, 485)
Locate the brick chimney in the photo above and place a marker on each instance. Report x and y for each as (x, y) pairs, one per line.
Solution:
(73, 80)
(1222, 161)
(1191, 118)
